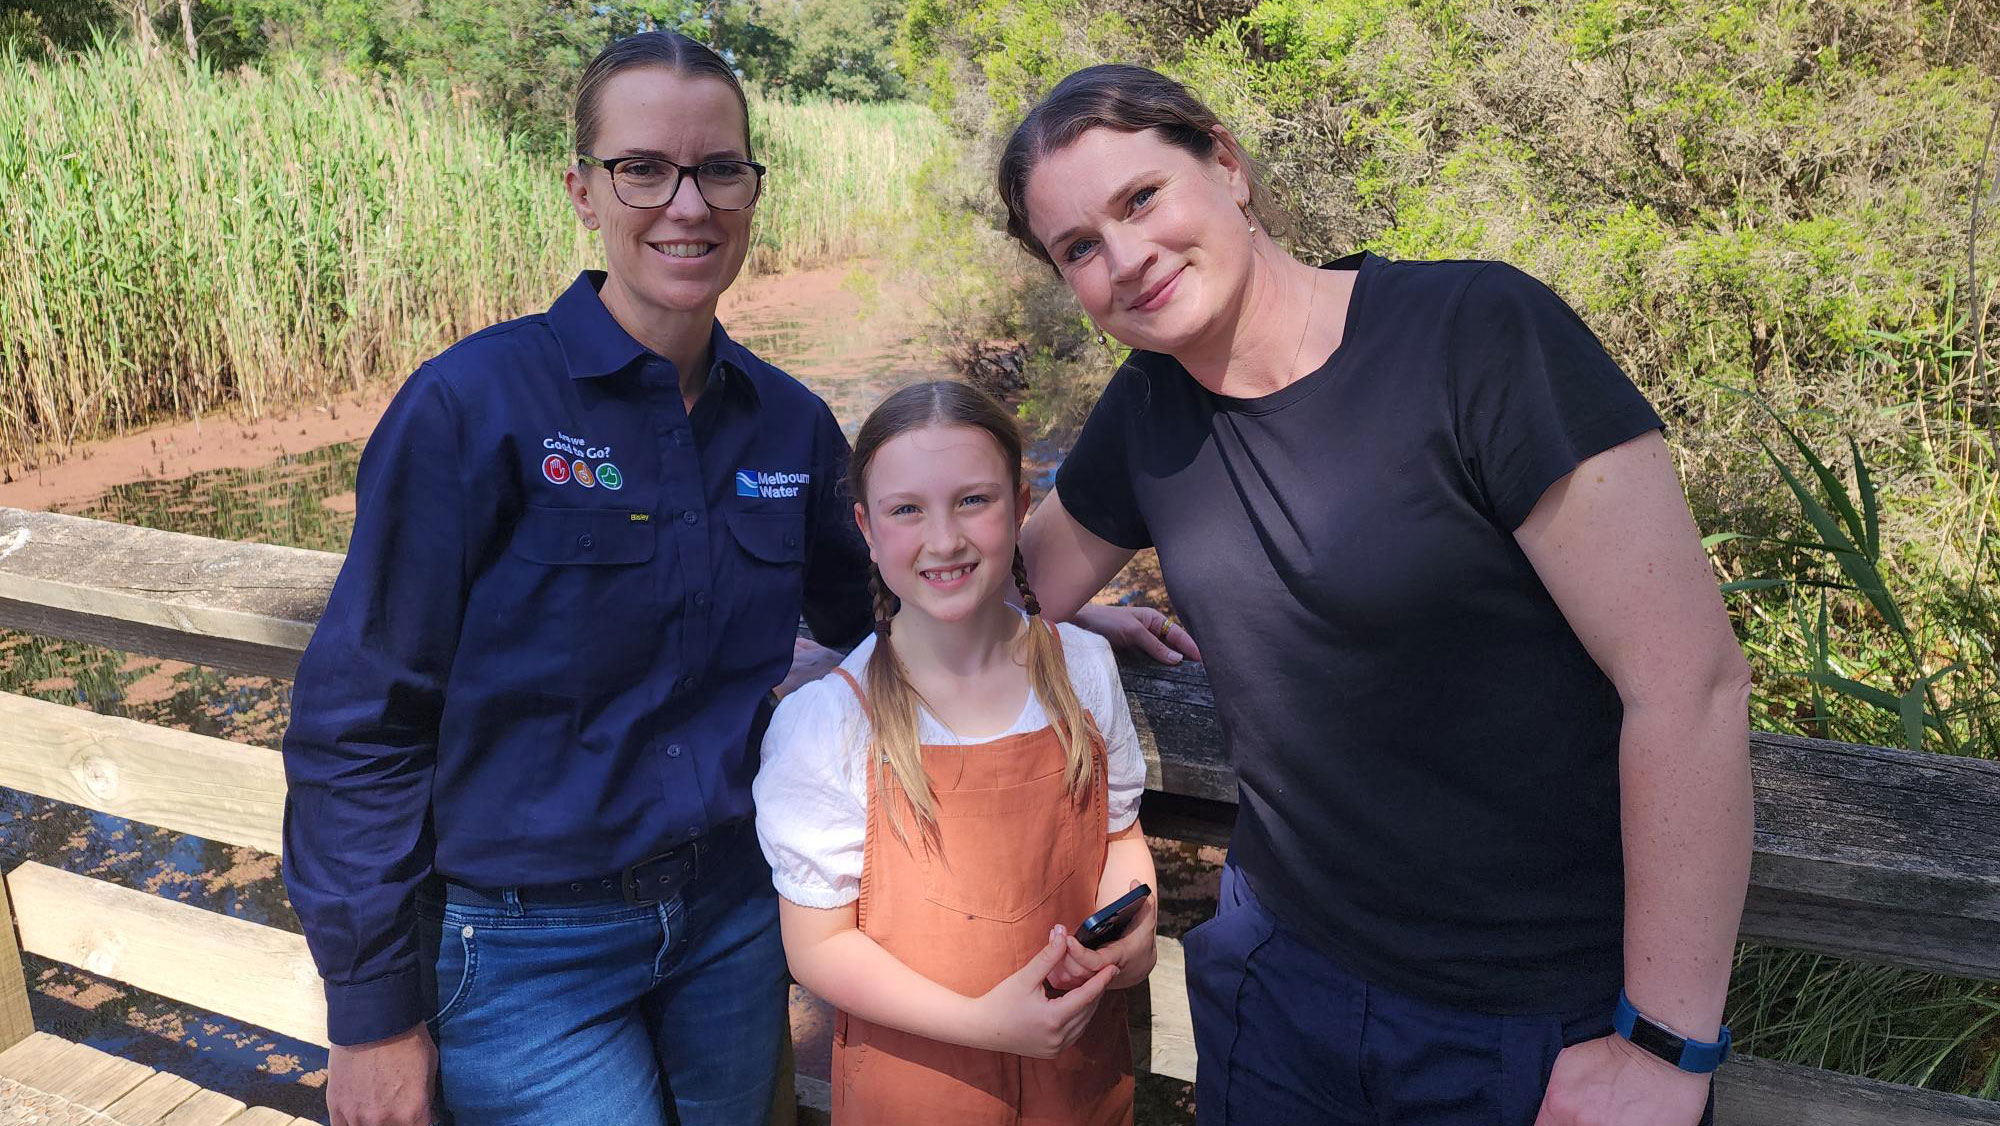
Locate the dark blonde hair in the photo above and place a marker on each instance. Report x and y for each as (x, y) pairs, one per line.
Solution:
(893, 745)
(669, 50)
(1130, 99)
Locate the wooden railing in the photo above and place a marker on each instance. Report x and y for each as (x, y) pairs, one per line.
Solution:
(1865, 853)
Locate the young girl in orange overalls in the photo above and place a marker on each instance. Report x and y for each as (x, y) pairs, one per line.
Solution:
(942, 811)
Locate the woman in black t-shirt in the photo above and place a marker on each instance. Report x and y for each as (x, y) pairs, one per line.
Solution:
(1486, 711)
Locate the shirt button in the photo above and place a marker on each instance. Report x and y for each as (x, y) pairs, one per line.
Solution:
(680, 437)
(791, 540)
(690, 516)
(694, 830)
(673, 750)
(585, 542)
(465, 931)
(701, 598)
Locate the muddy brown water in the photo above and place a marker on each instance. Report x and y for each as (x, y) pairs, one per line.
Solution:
(842, 331)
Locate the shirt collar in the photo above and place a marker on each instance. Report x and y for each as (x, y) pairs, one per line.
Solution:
(594, 344)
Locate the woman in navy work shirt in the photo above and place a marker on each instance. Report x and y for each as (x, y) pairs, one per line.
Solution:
(1486, 712)
(522, 737)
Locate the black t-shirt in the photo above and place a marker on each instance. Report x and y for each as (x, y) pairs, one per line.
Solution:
(1427, 757)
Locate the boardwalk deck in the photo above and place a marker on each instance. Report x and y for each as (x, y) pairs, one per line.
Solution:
(48, 1081)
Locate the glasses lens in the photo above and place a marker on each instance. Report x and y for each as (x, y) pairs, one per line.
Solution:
(727, 184)
(645, 183)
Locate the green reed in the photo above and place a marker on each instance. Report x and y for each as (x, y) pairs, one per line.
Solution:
(175, 241)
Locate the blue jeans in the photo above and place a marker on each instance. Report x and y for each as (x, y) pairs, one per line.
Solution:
(1283, 1034)
(607, 1013)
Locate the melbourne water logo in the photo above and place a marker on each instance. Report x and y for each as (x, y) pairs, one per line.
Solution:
(759, 483)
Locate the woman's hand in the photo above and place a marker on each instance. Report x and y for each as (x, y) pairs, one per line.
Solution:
(1132, 953)
(1019, 1016)
(383, 1082)
(1608, 1082)
(810, 661)
(1139, 629)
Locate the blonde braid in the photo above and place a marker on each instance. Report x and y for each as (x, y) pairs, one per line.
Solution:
(1029, 602)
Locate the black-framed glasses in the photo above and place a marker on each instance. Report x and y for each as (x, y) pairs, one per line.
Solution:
(652, 181)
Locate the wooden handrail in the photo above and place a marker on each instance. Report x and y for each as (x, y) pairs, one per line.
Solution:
(1862, 852)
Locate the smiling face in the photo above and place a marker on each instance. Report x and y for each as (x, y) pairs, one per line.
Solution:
(680, 257)
(1151, 238)
(942, 515)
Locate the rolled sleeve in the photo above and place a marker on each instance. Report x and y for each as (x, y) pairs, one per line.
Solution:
(361, 749)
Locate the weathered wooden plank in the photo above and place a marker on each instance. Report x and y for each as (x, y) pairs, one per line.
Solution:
(1875, 854)
(81, 1074)
(265, 1116)
(17, 1023)
(241, 606)
(241, 970)
(205, 1108)
(30, 1053)
(1173, 709)
(1753, 1092)
(213, 788)
(160, 1094)
(1171, 1050)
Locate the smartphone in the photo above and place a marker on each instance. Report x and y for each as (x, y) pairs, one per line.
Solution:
(1111, 920)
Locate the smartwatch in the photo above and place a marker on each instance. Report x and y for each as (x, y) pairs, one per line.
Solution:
(1698, 1056)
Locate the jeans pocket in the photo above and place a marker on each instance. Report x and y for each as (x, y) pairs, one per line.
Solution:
(448, 962)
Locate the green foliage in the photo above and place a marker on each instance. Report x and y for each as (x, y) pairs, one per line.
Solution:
(178, 241)
(517, 60)
(1894, 678)
(839, 48)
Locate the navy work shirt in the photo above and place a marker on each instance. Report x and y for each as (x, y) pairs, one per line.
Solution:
(563, 606)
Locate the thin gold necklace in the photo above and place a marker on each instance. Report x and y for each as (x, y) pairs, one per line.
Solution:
(1312, 300)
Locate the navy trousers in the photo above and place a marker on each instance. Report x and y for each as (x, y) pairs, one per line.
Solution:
(1285, 1035)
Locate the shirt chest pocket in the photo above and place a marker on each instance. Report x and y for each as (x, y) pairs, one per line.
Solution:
(584, 536)
(769, 576)
(585, 610)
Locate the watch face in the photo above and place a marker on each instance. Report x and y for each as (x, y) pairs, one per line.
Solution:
(1657, 1040)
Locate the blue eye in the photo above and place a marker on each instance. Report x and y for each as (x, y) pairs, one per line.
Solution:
(1077, 249)
(1143, 196)
(902, 509)
(976, 498)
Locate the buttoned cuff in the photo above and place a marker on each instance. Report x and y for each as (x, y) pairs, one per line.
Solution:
(362, 1011)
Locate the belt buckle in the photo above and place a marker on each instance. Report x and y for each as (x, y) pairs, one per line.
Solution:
(643, 884)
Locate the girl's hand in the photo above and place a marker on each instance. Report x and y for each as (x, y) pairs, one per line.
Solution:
(1019, 1016)
(1133, 953)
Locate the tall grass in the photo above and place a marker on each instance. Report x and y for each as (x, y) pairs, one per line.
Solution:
(177, 241)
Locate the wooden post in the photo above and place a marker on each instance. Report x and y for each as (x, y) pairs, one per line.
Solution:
(16, 1021)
